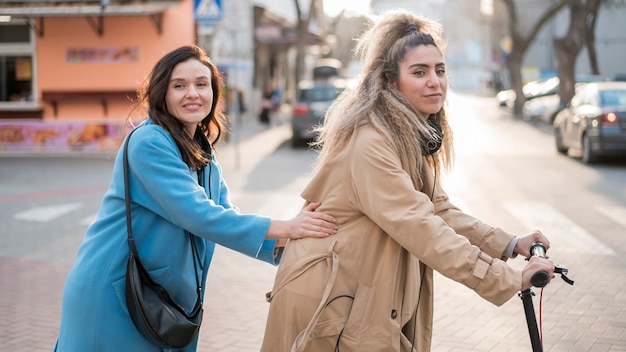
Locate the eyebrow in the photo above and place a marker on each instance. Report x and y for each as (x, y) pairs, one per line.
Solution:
(183, 79)
(426, 65)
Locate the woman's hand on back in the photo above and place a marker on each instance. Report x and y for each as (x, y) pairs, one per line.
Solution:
(308, 223)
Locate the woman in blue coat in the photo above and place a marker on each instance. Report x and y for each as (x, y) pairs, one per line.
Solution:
(176, 187)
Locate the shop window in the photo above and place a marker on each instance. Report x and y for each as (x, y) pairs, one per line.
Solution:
(16, 64)
(16, 77)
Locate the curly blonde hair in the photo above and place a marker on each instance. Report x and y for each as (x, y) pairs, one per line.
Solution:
(376, 102)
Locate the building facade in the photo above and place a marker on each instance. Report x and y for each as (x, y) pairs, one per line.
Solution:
(84, 59)
(70, 69)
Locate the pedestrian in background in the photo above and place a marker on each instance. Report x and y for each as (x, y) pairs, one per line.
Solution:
(176, 188)
(384, 146)
(266, 107)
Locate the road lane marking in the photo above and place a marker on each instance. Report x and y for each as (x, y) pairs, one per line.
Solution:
(281, 206)
(50, 194)
(89, 219)
(46, 213)
(615, 213)
(459, 203)
(563, 233)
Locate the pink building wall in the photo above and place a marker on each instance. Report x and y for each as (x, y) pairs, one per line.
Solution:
(139, 33)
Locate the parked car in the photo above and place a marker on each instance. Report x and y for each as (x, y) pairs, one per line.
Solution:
(546, 102)
(532, 89)
(543, 108)
(312, 101)
(594, 121)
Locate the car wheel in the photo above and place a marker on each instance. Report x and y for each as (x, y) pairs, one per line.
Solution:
(558, 140)
(588, 156)
(297, 142)
(553, 117)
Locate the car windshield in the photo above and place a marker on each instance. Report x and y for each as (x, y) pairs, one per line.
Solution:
(320, 93)
(614, 97)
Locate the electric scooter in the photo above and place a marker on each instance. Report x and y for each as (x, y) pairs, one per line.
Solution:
(540, 279)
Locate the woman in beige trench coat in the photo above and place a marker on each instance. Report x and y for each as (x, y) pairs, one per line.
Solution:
(370, 287)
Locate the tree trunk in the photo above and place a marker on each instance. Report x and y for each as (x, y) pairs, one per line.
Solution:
(521, 44)
(566, 54)
(301, 49)
(567, 48)
(591, 47)
(303, 34)
(514, 66)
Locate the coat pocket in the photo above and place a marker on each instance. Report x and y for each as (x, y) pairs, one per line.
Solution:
(361, 318)
(163, 276)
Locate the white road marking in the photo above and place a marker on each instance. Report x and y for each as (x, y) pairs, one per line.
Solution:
(459, 203)
(281, 206)
(47, 213)
(89, 219)
(615, 213)
(562, 232)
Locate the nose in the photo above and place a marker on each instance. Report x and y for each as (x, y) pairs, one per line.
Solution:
(192, 92)
(433, 80)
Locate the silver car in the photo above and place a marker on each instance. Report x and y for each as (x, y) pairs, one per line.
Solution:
(312, 101)
(594, 121)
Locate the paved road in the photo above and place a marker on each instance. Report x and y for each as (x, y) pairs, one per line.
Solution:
(590, 316)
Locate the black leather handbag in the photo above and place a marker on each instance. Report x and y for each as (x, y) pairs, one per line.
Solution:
(155, 313)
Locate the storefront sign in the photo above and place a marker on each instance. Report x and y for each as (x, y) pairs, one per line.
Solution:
(103, 54)
(61, 136)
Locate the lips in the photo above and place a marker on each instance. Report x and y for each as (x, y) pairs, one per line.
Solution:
(192, 106)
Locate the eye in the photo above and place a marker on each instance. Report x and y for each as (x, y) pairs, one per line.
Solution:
(419, 73)
(441, 71)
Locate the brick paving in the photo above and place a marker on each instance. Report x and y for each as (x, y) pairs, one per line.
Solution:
(589, 316)
(30, 303)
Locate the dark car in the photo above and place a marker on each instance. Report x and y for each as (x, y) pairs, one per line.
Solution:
(594, 121)
(312, 101)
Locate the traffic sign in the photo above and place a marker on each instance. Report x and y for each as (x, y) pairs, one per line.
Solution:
(208, 10)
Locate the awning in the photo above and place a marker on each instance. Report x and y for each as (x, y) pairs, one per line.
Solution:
(89, 9)
(73, 8)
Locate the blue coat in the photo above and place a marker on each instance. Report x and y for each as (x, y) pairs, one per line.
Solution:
(166, 201)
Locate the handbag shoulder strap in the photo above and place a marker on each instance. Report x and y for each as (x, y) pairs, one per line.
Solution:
(129, 227)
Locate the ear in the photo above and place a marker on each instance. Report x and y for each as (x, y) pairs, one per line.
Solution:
(393, 84)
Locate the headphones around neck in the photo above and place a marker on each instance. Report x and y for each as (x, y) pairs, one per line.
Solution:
(432, 142)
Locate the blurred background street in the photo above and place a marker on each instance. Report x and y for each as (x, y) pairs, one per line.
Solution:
(507, 173)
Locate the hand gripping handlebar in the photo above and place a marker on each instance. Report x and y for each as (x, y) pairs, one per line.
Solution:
(540, 278)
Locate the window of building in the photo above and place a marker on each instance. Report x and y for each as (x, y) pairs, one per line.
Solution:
(16, 65)
(16, 78)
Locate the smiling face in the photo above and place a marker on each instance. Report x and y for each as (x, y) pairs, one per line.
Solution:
(189, 94)
(422, 78)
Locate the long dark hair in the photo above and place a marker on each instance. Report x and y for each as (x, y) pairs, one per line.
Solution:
(153, 96)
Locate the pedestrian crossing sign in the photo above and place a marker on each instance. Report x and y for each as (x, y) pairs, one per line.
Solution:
(208, 10)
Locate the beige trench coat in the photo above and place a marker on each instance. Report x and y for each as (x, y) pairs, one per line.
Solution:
(370, 286)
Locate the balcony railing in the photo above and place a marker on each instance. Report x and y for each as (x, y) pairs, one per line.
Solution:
(78, 2)
(34, 8)
(37, 10)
